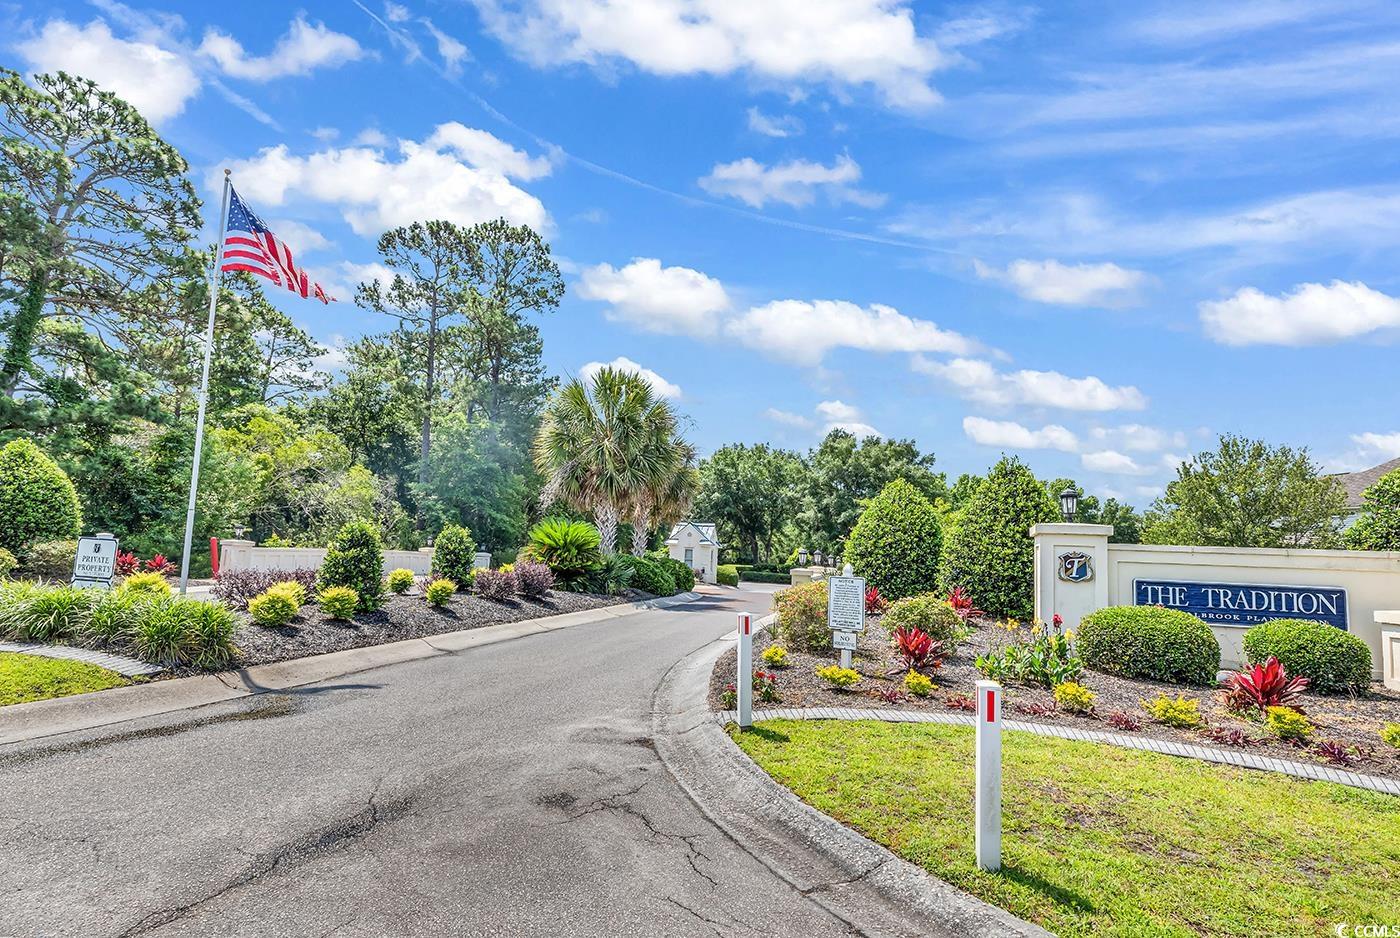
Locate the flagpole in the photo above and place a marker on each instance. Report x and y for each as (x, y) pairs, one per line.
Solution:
(215, 280)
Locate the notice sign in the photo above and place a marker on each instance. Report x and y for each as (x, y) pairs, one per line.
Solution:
(1245, 604)
(844, 641)
(845, 603)
(96, 561)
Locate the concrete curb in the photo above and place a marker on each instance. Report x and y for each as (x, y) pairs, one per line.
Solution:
(21, 722)
(1304, 770)
(855, 879)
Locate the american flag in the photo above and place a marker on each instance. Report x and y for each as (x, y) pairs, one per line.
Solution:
(250, 246)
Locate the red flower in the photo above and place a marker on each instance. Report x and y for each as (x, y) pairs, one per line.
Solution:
(1057, 620)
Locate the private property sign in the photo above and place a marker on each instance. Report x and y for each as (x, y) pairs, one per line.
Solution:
(95, 562)
(1245, 604)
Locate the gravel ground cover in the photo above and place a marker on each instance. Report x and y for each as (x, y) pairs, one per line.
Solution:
(1351, 720)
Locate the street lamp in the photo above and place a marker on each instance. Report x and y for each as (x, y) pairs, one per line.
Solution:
(802, 556)
(1069, 503)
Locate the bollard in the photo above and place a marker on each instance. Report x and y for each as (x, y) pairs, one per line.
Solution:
(743, 678)
(988, 812)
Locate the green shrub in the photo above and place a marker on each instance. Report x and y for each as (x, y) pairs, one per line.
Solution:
(1073, 697)
(151, 584)
(357, 561)
(453, 552)
(7, 563)
(928, 613)
(1149, 642)
(50, 560)
(681, 575)
(160, 636)
(116, 615)
(401, 580)
(726, 575)
(775, 656)
(1390, 735)
(1287, 724)
(1378, 525)
(896, 542)
(650, 576)
(291, 589)
(1332, 660)
(14, 594)
(439, 591)
(612, 575)
(989, 552)
(569, 548)
(55, 613)
(764, 576)
(802, 617)
(273, 608)
(1183, 712)
(839, 677)
(37, 501)
(338, 602)
(208, 629)
(920, 685)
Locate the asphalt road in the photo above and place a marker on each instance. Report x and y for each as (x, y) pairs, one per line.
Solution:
(510, 789)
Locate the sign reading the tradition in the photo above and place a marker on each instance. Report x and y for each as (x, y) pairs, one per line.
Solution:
(1245, 604)
(845, 603)
(1075, 567)
(96, 561)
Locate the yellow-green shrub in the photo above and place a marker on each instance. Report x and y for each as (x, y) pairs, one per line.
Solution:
(920, 685)
(438, 592)
(152, 583)
(802, 616)
(839, 677)
(293, 591)
(273, 608)
(1073, 697)
(776, 656)
(339, 602)
(401, 580)
(1390, 735)
(1182, 712)
(1287, 724)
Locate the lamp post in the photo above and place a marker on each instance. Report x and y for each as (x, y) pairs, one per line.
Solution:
(1069, 504)
(802, 556)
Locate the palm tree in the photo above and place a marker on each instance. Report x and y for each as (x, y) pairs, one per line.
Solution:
(669, 500)
(601, 443)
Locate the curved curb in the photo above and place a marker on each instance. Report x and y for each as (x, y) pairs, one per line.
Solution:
(22, 722)
(853, 878)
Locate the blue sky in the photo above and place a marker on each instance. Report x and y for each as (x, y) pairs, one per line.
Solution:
(1095, 234)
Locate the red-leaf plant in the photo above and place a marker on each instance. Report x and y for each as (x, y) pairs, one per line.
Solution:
(961, 601)
(916, 650)
(1263, 686)
(875, 604)
(159, 564)
(960, 702)
(127, 563)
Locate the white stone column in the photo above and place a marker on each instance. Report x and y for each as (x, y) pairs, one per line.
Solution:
(235, 554)
(1056, 565)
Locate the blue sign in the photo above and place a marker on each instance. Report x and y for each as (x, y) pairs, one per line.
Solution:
(1245, 604)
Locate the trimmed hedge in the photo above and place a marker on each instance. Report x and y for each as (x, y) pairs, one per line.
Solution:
(761, 576)
(802, 617)
(1149, 642)
(1331, 659)
(726, 575)
(355, 560)
(682, 575)
(38, 502)
(453, 552)
(896, 541)
(929, 613)
(650, 575)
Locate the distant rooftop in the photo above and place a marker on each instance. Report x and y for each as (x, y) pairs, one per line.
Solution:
(1356, 483)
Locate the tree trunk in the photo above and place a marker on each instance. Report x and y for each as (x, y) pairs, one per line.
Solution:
(426, 440)
(641, 528)
(605, 515)
(22, 329)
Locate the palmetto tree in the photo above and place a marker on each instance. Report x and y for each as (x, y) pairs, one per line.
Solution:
(667, 501)
(604, 441)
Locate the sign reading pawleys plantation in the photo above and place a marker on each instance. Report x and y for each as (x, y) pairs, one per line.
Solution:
(845, 603)
(96, 561)
(1245, 604)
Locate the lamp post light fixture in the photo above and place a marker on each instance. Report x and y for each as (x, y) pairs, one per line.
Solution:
(239, 530)
(1069, 504)
(817, 558)
(802, 556)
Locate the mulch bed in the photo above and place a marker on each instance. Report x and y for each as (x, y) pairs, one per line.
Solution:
(1346, 719)
(401, 617)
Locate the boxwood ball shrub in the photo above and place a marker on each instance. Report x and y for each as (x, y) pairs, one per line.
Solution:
(50, 560)
(355, 560)
(38, 502)
(338, 602)
(146, 583)
(928, 613)
(802, 617)
(682, 577)
(650, 576)
(439, 591)
(534, 579)
(400, 580)
(1331, 659)
(989, 552)
(292, 589)
(726, 575)
(1149, 642)
(453, 552)
(896, 542)
(273, 608)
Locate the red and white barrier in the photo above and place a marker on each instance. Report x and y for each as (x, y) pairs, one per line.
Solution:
(988, 810)
(743, 678)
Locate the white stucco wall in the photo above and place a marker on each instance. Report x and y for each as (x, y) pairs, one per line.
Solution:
(245, 555)
(1371, 578)
(705, 558)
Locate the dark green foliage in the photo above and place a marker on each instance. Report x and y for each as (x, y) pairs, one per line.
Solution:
(990, 552)
(802, 620)
(681, 575)
(612, 575)
(453, 552)
(1150, 642)
(50, 560)
(930, 614)
(569, 548)
(650, 576)
(896, 542)
(357, 561)
(763, 576)
(726, 575)
(1331, 659)
(37, 501)
(1378, 527)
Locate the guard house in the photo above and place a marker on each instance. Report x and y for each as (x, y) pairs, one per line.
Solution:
(696, 544)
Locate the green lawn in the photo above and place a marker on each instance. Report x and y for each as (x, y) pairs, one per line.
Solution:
(1101, 840)
(29, 677)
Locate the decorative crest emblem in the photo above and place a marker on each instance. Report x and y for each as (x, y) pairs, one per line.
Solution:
(1075, 567)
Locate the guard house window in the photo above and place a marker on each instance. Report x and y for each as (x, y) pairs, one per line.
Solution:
(689, 555)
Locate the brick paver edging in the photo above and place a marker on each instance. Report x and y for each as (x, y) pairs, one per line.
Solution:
(128, 667)
(1320, 773)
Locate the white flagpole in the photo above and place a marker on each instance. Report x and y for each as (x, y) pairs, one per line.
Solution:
(215, 280)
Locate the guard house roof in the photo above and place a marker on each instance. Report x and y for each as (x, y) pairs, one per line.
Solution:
(707, 531)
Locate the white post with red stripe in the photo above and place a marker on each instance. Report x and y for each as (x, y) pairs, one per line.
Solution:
(988, 811)
(743, 678)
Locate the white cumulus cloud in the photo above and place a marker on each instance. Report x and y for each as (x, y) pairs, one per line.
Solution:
(658, 384)
(980, 381)
(1012, 435)
(804, 331)
(1111, 461)
(787, 417)
(673, 300)
(1312, 314)
(1384, 444)
(1050, 281)
(796, 183)
(1138, 437)
(156, 81)
(304, 48)
(780, 125)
